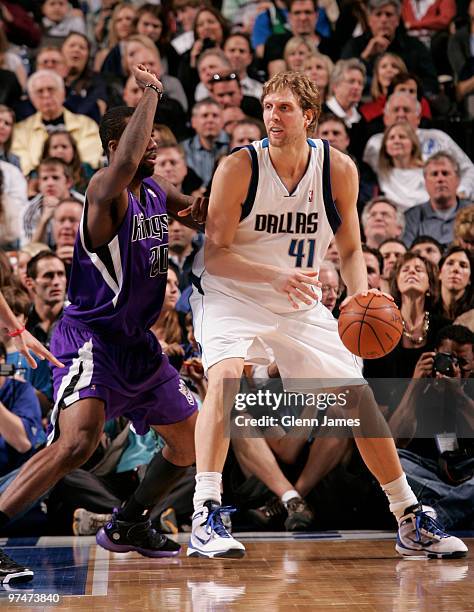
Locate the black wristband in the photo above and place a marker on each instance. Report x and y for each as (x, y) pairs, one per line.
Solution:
(155, 88)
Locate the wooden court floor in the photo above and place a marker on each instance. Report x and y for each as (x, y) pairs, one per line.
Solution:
(354, 571)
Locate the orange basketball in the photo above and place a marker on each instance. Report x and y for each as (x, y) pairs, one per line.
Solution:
(370, 326)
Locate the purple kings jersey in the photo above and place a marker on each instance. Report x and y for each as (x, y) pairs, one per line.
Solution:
(119, 288)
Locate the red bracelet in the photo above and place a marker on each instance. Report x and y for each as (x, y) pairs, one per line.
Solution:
(16, 332)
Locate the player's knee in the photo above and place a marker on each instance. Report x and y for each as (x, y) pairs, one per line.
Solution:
(227, 373)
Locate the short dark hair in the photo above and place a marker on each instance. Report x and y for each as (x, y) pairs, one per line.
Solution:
(397, 240)
(49, 162)
(325, 117)
(404, 77)
(113, 124)
(427, 239)
(32, 266)
(456, 333)
(376, 253)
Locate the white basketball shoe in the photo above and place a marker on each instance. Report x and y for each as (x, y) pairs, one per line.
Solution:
(419, 534)
(209, 536)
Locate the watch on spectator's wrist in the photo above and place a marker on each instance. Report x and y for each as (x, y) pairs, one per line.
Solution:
(155, 88)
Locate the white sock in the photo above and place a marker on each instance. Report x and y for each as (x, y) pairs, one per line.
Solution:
(400, 496)
(208, 486)
(287, 495)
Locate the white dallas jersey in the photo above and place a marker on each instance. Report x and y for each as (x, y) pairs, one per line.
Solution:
(287, 230)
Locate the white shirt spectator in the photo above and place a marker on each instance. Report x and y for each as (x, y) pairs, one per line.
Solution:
(14, 200)
(431, 142)
(404, 186)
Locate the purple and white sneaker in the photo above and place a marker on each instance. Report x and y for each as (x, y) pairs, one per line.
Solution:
(121, 536)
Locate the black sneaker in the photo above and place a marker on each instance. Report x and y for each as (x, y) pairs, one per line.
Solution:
(121, 536)
(300, 515)
(12, 572)
(272, 514)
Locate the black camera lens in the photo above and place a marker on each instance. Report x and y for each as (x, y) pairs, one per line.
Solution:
(444, 364)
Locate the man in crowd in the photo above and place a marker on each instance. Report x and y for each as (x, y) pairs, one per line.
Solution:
(210, 141)
(428, 247)
(374, 263)
(302, 18)
(347, 85)
(46, 278)
(47, 94)
(238, 49)
(391, 250)
(384, 34)
(436, 217)
(225, 88)
(65, 225)
(55, 185)
(381, 219)
(405, 107)
(439, 462)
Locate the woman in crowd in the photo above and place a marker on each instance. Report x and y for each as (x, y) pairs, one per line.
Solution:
(296, 51)
(415, 289)
(61, 144)
(10, 61)
(86, 91)
(167, 328)
(7, 122)
(13, 202)
(400, 172)
(122, 25)
(386, 67)
(210, 30)
(152, 22)
(318, 68)
(455, 271)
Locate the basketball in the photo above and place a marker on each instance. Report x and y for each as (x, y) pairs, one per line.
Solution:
(370, 326)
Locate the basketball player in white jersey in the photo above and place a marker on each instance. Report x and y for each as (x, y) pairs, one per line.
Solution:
(273, 209)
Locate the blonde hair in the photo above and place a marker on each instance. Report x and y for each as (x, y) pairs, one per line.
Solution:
(113, 38)
(304, 90)
(385, 161)
(464, 223)
(376, 88)
(293, 44)
(166, 136)
(329, 68)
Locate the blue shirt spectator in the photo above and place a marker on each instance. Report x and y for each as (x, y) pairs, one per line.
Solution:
(20, 400)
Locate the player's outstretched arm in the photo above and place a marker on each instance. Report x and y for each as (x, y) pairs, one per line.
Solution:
(107, 184)
(24, 341)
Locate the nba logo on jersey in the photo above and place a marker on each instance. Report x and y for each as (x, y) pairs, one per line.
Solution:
(310, 196)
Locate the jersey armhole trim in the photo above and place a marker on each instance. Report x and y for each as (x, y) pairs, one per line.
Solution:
(252, 191)
(332, 213)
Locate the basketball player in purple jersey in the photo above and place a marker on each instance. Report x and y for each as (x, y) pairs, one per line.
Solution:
(114, 365)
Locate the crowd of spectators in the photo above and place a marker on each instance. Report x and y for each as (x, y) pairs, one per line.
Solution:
(396, 79)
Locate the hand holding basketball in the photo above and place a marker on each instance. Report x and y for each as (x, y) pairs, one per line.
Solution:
(370, 324)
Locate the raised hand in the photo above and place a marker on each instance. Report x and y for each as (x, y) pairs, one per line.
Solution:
(144, 77)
